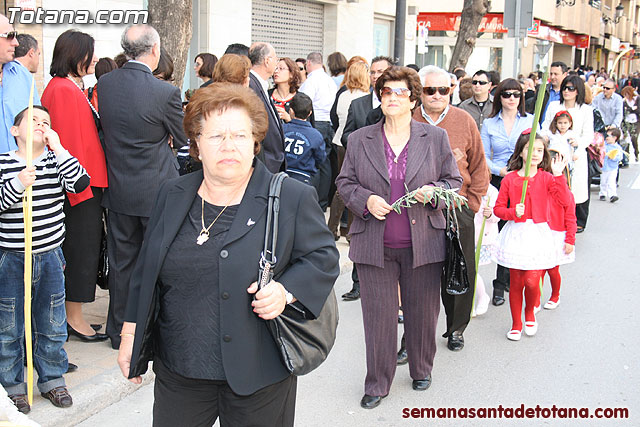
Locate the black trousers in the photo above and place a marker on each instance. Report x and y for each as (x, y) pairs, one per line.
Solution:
(323, 180)
(181, 401)
(124, 239)
(501, 282)
(81, 247)
(582, 209)
(458, 307)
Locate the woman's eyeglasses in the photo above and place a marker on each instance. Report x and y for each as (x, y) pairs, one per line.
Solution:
(442, 90)
(507, 95)
(401, 92)
(570, 88)
(10, 35)
(479, 82)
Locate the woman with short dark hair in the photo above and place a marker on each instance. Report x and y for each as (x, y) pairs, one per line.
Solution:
(287, 79)
(572, 99)
(212, 351)
(337, 64)
(164, 70)
(204, 63)
(382, 161)
(73, 117)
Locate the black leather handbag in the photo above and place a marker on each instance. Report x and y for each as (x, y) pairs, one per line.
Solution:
(454, 272)
(303, 341)
(102, 280)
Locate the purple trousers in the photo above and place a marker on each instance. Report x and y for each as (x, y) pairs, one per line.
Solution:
(420, 291)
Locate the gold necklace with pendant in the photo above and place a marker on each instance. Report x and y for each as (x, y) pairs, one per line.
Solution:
(204, 233)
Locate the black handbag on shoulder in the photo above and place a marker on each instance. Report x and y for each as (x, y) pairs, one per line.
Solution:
(454, 272)
(302, 340)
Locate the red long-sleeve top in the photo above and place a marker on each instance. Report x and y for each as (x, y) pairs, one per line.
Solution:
(72, 119)
(542, 188)
(563, 218)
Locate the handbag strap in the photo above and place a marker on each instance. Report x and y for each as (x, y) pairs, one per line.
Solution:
(273, 212)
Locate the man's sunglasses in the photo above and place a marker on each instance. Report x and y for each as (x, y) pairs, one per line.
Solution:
(479, 82)
(10, 35)
(605, 88)
(401, 92)
(507, 95)
(442, 90)
(570, 88)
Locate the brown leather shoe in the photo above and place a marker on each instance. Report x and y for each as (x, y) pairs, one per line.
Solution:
(21, 402)
(59, 396)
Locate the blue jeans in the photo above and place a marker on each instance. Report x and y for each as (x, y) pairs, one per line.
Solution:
(48, 320)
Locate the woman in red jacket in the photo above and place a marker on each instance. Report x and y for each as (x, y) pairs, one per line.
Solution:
(72, 116)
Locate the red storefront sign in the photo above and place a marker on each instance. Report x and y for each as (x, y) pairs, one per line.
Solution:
(493, 23)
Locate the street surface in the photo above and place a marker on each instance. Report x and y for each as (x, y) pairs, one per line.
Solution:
(585, 354)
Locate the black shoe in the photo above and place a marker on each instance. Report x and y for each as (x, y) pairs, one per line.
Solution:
(614, 199)
(352, 295)
(455, 342)
(421, 385)
(21, 402)
(87, 338)
(579, 229)
(602, 198)
(370, 402)
(72, 368)
(96, 327)
(400, 317)
(498, 297)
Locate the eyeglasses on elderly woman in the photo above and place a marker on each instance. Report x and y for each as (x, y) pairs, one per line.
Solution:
(401, 92)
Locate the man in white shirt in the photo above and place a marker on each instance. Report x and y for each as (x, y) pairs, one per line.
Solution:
(321, 88)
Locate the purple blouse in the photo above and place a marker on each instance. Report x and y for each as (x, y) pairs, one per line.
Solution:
(397, 231)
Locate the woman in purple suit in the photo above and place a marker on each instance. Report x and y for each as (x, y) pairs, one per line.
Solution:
(391, 248)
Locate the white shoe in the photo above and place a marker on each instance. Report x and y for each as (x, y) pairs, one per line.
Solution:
(530, 328)
(536, 309)
(550, 305)
(514, 335)
(482, 308)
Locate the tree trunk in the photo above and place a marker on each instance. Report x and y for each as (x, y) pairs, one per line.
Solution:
(172, 19)
(472, 13)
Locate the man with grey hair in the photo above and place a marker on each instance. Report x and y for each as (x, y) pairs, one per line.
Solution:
(468, 151)
(321, 88)
(609, 103)
(139, 114)
(28, 53)
(263, 63)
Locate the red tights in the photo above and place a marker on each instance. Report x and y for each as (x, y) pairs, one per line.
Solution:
(556, 280)
(529, 281)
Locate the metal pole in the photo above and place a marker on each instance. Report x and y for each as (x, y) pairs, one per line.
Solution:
(516, 53)
(401, 21)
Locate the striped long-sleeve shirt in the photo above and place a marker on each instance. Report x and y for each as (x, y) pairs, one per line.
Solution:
(54, 176)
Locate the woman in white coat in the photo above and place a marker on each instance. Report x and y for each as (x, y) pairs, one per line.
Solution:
(572, 99)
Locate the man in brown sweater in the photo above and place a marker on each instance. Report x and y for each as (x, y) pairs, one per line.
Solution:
(468, 151)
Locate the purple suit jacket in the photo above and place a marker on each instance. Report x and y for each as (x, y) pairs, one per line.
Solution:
(364, 172)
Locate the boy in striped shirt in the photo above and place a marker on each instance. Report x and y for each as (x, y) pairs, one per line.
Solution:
(54, 172)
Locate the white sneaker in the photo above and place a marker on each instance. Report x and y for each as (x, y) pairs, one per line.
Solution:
(550, 305)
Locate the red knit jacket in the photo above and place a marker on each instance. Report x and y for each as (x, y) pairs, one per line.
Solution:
(563, 218)
(542, 188)
(72, 119)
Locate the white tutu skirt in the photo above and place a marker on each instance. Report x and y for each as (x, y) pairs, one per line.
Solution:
(526, 246)
(563, 258)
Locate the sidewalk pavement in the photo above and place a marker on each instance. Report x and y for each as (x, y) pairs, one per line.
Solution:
(98, 382)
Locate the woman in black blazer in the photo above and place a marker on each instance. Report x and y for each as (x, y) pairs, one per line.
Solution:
(191, 306)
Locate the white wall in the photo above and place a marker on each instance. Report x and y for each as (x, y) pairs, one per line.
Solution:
(107, 36)
(229, 22)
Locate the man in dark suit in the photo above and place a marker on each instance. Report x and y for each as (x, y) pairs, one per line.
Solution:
(360, 108)
(138, 113)
(263, 63)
